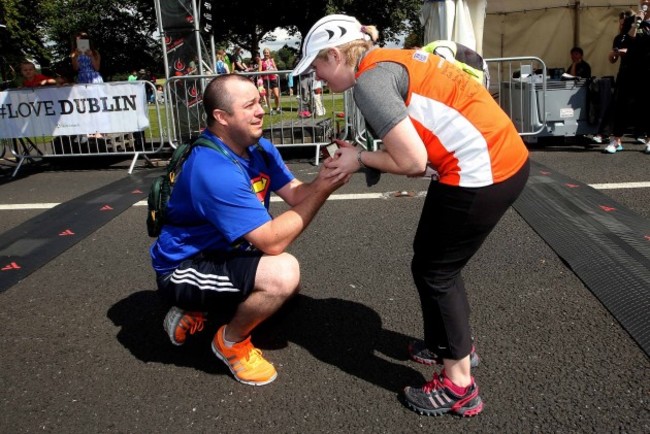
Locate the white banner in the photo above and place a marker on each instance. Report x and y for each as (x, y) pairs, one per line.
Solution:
(72, 110)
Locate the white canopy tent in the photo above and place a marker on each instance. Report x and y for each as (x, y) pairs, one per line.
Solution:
(549, 28)
(545, 28)
(457, 20)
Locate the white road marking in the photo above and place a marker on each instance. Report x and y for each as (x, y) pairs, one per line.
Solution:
(357, 196)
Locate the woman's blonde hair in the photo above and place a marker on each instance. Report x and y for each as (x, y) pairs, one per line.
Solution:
(354, 50)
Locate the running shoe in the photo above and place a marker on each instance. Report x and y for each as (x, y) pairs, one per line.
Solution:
(647, 148)
(642, 140)
(438, 397)
(178, 323)
(421, 354)
(244, 360)
(597, 139)
(613, 147)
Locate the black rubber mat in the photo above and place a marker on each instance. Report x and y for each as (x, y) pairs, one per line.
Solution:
(42, 238)
(605, 244)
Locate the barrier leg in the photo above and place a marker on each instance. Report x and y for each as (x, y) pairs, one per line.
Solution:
(317, 160)
(135, 158)
(20, 163)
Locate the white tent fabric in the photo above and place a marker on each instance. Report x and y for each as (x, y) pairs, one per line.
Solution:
(548, 29)
(457, 20)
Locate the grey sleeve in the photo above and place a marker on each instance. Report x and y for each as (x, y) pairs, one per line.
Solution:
(380, 94)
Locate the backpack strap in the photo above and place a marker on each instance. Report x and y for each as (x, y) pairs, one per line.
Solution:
(201, 141)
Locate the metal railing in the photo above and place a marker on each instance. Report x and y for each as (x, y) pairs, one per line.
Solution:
(519, 85)
(306, 118)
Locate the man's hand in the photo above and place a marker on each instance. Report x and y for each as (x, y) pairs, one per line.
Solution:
(327, 179)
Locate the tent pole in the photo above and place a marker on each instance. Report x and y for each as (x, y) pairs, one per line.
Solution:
(576, 26)
(161, 33)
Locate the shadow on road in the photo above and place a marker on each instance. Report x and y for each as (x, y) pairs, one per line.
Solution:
(338, 332)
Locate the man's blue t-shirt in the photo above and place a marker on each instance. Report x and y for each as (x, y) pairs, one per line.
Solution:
(218, 198)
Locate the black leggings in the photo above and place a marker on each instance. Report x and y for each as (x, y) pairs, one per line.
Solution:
(454, 223)
(629, 96)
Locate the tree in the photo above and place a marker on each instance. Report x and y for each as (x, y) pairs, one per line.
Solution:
(43, 30)
(286, 57)
(392, 17)
(22, 35)
(121, 30)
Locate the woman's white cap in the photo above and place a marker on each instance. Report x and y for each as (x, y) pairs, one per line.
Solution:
(330, 31)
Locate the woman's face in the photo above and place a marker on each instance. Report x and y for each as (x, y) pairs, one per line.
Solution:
(28, 71)
(334, 71)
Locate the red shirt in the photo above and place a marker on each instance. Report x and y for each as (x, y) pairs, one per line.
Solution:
(38, 79)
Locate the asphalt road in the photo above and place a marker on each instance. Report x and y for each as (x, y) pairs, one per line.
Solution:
(82, 348)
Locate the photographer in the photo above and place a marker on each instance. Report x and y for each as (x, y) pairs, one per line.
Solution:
(632, 46)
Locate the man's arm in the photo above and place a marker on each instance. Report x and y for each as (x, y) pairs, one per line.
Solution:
(306, 199)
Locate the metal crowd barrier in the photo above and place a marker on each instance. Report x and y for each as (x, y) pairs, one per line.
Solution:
(291, 127)
(519, 85)
(30, 146)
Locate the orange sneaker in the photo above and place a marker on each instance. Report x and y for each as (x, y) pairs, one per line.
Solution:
(178, 323)
(244, 360)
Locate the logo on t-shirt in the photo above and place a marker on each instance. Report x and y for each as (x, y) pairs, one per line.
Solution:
(260, 185)
(420, 56)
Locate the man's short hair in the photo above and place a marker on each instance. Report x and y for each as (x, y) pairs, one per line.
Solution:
(577, 50)
(218, 96)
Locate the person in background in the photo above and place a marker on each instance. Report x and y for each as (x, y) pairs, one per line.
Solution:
(133, 76)
(306, 102)
(619, 48)
(237, 62)
(643, 34)
(87, 63)
(631, 93)
(434, 120)
(255, 66)
(31, 78)
(271, 81)
(160, 94)
(221, 67)
(578, 67)
(290, 84)
(222, 250)
(228, 60)
(319, 108)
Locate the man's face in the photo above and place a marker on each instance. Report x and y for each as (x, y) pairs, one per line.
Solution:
(576, 56)
(244, 123)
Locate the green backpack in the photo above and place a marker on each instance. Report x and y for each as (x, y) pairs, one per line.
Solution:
(161, 188)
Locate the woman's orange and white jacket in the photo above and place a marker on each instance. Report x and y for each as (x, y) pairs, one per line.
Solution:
(470, 140)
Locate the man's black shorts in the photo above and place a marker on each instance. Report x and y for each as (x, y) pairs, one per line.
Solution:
(210, 282)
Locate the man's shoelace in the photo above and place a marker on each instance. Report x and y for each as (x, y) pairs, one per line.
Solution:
(254, 356)
(193, 324)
